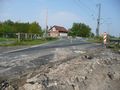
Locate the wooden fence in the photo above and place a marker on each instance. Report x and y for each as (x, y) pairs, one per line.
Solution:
(21, 36)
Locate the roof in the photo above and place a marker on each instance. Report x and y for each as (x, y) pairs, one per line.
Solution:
(60, 29)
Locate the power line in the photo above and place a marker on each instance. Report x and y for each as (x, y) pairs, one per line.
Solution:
(78, 4)
(88, 10)
(86, 6)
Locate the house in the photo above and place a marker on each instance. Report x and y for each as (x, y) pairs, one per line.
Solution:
(58, 31)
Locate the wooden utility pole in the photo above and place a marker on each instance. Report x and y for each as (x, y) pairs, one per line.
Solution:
(98, 20)
(46, 23)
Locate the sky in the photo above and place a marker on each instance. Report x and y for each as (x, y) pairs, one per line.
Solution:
(64, 13)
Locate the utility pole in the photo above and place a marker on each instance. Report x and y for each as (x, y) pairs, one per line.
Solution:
(46, 23)
(98, 20)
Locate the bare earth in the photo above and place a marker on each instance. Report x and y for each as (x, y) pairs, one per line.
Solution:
(73, 69)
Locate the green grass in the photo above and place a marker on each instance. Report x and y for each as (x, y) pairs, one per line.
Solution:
(29, 42)
(6, 39)
(114, 46)
(25, 42)
(95, 40)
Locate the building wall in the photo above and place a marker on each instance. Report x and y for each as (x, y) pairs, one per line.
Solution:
(54, 34)
(63, 34)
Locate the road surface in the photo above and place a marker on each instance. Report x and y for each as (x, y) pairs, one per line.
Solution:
(16, 62)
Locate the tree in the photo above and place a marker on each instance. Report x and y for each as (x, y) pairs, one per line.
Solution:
(80, 29)
(35, 28)
(92, 35)
(0, 27)
(6, 27)
(21, 27)
(9, 22)
(10, 27)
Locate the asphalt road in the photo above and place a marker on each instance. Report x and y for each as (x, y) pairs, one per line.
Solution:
(16, 62)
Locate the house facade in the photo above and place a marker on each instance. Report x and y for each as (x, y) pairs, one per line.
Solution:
(58, 31)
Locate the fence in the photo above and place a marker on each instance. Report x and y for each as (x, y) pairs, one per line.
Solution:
(21, 36)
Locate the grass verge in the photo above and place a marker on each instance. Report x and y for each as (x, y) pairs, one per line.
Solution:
(95, 40)
(112, 46)
(14, 42)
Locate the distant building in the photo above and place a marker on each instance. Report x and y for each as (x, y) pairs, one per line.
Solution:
(58, 31)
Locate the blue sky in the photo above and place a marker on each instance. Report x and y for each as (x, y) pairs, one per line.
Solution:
(64, 13)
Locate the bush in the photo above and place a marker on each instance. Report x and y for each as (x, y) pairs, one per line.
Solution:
(98, 39)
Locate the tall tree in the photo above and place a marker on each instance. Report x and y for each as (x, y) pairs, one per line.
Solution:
(35, 28)
(80, 29)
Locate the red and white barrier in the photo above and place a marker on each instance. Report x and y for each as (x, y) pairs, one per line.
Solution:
(105, 38)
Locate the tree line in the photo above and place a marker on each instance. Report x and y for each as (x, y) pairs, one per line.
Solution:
(9, 26)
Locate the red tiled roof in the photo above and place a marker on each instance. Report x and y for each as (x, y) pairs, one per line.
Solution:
(60, 29)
